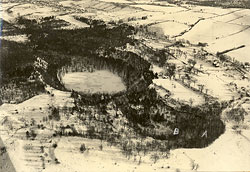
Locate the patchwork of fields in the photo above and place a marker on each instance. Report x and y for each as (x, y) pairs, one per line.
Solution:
(196, 55)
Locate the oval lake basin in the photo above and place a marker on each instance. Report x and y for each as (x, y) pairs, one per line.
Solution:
(99, 81)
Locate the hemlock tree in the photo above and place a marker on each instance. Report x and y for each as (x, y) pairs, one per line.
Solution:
(192, 63)
(83, 148)
(171, 70)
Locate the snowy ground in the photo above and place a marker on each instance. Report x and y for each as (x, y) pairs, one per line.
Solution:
(16, 38)
(221, 90)
(221, 28)
(179, 92)
(224, 31)
(74, 24)
(231, 151)
(97, 81)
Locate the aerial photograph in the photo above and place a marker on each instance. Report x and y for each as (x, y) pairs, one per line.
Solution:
(124, 85)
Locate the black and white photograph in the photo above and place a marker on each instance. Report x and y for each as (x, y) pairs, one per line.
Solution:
(125, 86)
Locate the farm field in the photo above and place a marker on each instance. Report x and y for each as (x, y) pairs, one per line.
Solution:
(223, 32)
(179, 92)
(215, 26)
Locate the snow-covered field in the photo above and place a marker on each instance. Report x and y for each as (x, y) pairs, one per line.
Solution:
(14, 10)
(230, 152)
(117, 1)
(97, 81)
(224, 31)
(74, 24)
(179, 92)
(15, 38)
(108, 159)
(157, 8)
(221, 28)
(221, 90)
(209, 31)
(171, 28)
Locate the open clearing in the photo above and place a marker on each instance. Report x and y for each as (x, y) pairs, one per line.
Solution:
(16, 38)
(171, 28)
(97, 81)
(74, 24)
(179, 92)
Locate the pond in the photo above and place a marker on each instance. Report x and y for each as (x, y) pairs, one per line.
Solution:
(99, 81)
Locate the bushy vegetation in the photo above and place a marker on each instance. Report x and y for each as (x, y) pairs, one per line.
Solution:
(16, 66)
(192, 122)
(236, 114)
(16, 61)
(95, 46)
(82, 148)
(82, 42)
(54, 114)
